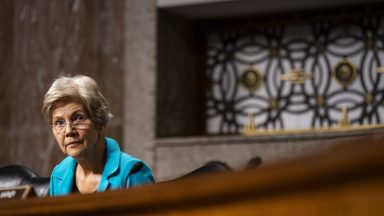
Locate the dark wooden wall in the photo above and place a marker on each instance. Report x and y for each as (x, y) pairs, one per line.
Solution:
(40, 40)
(181, 77)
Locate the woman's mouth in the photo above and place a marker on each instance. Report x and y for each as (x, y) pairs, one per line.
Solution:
(73, 144)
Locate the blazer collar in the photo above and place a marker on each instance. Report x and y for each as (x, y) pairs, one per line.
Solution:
(64, 175)
(112, 151)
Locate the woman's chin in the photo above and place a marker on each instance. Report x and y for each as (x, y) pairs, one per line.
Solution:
(74, 152)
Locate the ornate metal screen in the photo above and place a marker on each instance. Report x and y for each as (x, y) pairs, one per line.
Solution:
(303, 75)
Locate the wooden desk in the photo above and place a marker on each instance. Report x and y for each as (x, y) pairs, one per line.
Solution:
(346, 181)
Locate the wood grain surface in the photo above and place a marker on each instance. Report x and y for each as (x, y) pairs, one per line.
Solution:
(348, 180)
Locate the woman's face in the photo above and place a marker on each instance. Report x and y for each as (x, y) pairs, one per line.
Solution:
(73, 129)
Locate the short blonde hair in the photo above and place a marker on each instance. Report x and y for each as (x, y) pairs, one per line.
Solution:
(81, 89)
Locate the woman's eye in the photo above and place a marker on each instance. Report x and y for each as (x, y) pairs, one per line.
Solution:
(59, 123)
(79, 118)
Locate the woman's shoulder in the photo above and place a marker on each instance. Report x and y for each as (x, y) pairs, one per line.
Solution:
(135, 171)
(128, 164)
(113, 149)
(128, 160)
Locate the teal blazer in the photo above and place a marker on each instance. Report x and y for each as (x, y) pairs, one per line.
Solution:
(120, 171)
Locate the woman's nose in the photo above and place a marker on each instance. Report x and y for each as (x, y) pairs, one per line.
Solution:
(69, 131)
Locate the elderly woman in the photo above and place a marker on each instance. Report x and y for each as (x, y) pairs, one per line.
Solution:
(78, 115)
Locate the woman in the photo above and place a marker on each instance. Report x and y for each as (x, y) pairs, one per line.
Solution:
(78, 115)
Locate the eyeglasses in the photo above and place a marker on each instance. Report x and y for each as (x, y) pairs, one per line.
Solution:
(77, 122)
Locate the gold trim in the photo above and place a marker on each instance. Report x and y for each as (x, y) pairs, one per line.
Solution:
(344, 120)
(297, 76)
(250, 128)
(260, 131)
(380, 69)
(345, 72)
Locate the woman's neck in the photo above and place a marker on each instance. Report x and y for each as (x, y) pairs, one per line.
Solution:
(93, 162)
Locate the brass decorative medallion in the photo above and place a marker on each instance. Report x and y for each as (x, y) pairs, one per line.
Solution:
(345, 72)
(252, 78)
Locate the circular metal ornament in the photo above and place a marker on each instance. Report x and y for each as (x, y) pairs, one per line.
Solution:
(251, 78)
(345, 72)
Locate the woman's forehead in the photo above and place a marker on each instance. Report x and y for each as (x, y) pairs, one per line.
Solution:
(63, 108)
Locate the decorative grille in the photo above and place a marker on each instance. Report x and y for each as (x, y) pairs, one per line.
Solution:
(296, 76)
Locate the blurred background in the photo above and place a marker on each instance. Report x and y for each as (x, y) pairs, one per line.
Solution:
(193, 81)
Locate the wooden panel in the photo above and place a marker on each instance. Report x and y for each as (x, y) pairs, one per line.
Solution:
(6, 38)
(346, 181)
(181, 77)
(40, 40)
(109, 52)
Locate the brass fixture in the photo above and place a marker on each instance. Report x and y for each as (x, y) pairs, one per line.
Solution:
(344, 120)
(297, 76)
(345, 72)
(250, 128)
(380, 69)
(270, 132)
(252, 78)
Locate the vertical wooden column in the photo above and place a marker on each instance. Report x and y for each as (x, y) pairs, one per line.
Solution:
(109, 40)
(140, 79)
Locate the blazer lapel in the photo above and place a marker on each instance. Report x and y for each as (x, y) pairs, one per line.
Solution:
(63, 177)
(111, 165)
